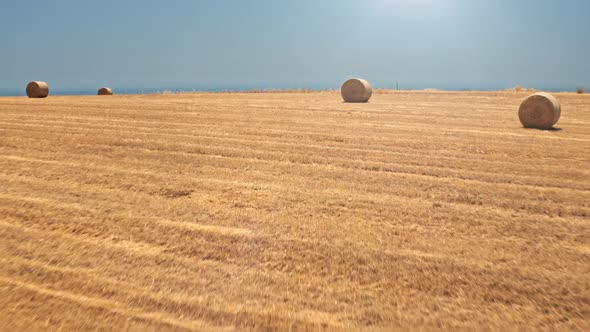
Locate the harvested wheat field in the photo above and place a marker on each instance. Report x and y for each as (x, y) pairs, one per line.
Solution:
(293, 211)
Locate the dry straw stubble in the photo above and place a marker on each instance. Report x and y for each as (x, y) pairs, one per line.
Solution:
(37, 89)
(370, 221)
(356, 90)
(540, 110)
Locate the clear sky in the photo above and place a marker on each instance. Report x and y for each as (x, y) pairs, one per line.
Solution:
(187, 44)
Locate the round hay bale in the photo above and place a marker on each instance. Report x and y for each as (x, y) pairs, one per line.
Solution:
(105, 92)
(37, 89)
(540, 110)
(356, 90)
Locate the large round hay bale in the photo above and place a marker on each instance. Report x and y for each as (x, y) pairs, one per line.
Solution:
(37, 89)
(105, 92)
(540, 110)
(356, 90)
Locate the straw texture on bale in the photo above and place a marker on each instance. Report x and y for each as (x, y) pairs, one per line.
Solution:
(37, 89)
(540, 110)
(105, 92)
(356, 90)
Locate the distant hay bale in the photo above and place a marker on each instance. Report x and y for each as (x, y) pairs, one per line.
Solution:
(105, 92)
(580, 91)
(521, 89)
(356, 90)
(540, 110)
(37, 89)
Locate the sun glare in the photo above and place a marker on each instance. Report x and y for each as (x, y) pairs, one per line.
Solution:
(413, 4)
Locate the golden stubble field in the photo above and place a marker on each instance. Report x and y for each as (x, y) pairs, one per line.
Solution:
(292, 211)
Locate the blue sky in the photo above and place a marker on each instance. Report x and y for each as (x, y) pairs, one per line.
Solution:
(454, 44)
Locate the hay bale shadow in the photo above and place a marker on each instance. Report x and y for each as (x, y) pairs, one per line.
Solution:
(542, 129)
